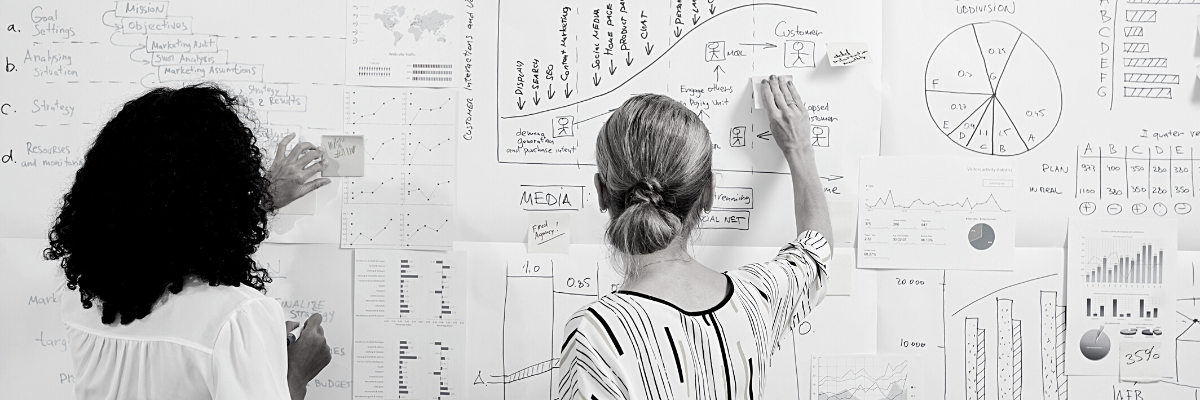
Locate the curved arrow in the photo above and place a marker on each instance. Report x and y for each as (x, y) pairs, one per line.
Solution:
(660, 57)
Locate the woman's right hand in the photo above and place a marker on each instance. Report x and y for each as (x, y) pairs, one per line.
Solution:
(307, 356)
(789, 118)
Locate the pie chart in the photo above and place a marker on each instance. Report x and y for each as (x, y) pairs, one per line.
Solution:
(1095, 344)
(990, 89)
(981, 236)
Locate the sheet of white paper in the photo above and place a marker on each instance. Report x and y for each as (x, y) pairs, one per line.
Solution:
(1002, 329)
(409, 325)
(37, 359)
(1141, 361)
(545, 136)
(345, 155)
(866, 377)
(406, 44)
(548, 233)
(1117, 278)
(406, 198)
(847, 54)
(317, 278)
(935, 213)
(519, 303)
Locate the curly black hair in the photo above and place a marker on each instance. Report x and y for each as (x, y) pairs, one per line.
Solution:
(173, 187)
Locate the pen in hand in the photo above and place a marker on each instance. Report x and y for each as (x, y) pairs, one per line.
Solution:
(294, 335)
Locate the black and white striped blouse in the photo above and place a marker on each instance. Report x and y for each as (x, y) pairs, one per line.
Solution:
(629, 345)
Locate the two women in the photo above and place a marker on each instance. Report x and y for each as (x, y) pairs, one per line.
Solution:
(181, 314)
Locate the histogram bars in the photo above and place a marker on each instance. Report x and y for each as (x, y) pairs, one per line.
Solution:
(1144, 267)
(1113, 312)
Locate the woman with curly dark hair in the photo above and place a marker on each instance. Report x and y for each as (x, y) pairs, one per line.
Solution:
(158, 231)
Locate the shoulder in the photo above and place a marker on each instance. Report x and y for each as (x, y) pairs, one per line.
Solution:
(195, 315)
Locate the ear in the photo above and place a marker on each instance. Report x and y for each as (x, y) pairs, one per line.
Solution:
(707, 200)
(601, 192)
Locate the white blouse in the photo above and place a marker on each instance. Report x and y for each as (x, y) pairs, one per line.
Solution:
(207, 342)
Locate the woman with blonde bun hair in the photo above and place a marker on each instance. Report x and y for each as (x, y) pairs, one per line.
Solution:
(678, 329)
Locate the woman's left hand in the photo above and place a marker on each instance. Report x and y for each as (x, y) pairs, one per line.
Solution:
(288, 175)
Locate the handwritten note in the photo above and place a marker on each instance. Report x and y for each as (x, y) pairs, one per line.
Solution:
(1140, 361)
(756, 84)
(345, 155)
(548, 233)
(848, 53)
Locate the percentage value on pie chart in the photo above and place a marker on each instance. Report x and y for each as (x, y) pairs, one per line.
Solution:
(992, 90)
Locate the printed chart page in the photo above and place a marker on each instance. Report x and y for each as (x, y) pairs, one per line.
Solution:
(403, 43)
(865, 377)
(935, 213)
(1117, 293)
(406, 197)
(409, 325)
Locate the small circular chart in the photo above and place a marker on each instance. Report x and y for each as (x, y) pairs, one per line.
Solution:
(1095, 344)
(992, 90)
(981, 236)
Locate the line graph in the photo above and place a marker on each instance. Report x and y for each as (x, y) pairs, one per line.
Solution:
(373, 155)
(436, 152)
(888, 202)
(366, 105)
(431, 110)
(394, 186)
(382, 226)
(863, 377)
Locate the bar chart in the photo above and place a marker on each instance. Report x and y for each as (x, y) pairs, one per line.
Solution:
(1121, 307)
(1124, 263)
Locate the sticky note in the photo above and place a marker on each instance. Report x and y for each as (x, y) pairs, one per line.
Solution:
(345, 154)
(1141, 361)
(844, 54)
(548, 233)
(756, 85)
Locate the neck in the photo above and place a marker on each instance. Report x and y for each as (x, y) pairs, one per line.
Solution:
(669, 263)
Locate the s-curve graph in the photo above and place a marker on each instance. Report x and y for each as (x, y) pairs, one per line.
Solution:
(864, 377)
(936, 213)
(563, 70)
(992, 90)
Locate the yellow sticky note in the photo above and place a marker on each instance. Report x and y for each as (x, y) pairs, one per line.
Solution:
(844, 54)
(756, 92)
(1141, 361)
(548, 233)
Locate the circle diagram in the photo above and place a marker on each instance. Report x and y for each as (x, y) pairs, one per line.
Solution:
(1094, 344)
(992, 90)
(981, 236)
